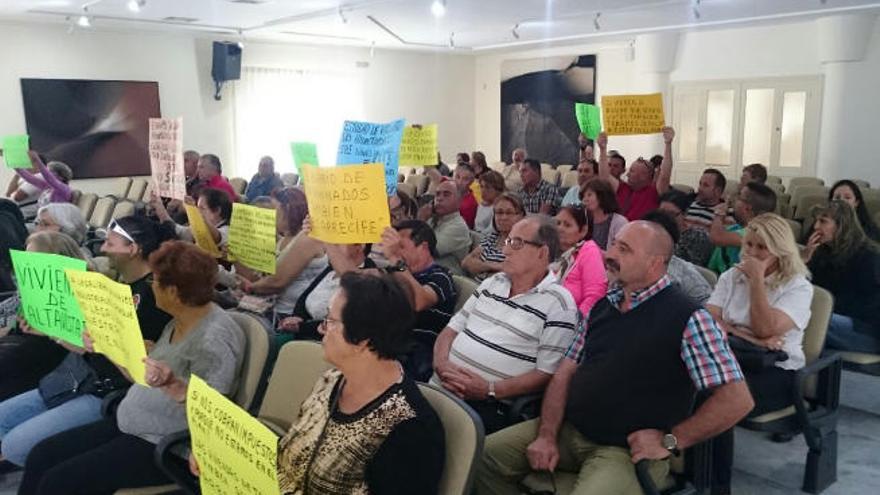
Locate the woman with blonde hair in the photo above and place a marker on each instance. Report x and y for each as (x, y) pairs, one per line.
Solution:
(763, 303)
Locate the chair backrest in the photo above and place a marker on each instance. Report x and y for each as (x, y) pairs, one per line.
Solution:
(123, 209)
(863, 184)
(289, 179)
(570, 179)
(772, 179)
(86, 203)
(137, 190)
(545, 168)
(420, 182)
(777, 188)
(708, 274)
(798, 192)
(683, 188)
(298, 367)
(805, 181)
(465, 288)
(564, 169)
(806, 203)
(464, 439)
(123, 184)
(796, 228)
(409, 189)
(551, 176)
(75, 194)
(238, 184)
(254, 358)
(100, 216)
(497, 166)
(820, 315)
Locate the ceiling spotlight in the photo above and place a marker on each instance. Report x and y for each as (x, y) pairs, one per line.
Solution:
(83, 21)
(240, 40)
(136, 5)
(596, 21)
(452, 40)
(342, 16)
(514, 32)
(438, 8)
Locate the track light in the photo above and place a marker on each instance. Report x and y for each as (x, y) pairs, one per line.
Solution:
(596, 21)
(438, 8)
(452, 40)
(514, 31)
(83, 21)
(136, 5)
(342, 16)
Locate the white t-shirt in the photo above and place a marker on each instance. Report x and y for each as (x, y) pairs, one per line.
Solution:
(32, 191)
(483, 220)
(792, 298)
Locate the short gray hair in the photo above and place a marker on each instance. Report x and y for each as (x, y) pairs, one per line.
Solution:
(547, 234)
(61, 170)
(69, 218)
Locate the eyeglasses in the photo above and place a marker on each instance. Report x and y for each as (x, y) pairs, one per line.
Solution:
(517, 243)
(325, 324)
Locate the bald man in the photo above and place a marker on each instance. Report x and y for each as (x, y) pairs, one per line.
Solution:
(453, 235)
(625, 388)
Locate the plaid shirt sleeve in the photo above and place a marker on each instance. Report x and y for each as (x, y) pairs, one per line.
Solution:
(575, 351)
(706, 354)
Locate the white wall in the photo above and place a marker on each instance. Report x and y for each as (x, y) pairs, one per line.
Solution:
(789, 49)
(422, 87)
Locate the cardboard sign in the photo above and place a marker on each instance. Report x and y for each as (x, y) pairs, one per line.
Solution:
(252, 237)
(366, 142)
(111, 319)
(418, 147)
(304, 154)
(347, 204)
(633, 114)
(15, 151)
(588, 119)
(166, 157)
(236, 453)
(47, 300)
(200, 231)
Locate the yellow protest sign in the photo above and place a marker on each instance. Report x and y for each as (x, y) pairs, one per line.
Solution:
(200, 231)
(477, 190)
(347, 204)
(236, 453)
(633, 114)
(111, 320)
(418, 147)
(252, 237)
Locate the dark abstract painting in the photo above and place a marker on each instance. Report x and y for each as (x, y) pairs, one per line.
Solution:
(537, 106)
(99, 128)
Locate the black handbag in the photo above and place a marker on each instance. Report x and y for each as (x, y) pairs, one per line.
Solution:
(753, 357)
(72, 378)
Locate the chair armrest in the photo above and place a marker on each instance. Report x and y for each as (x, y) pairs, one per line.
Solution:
(111, 402)
(647, 484)
(175, 465)
(524, 407)
(828, 371)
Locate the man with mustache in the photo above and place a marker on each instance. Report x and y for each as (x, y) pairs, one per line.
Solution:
(624, 390)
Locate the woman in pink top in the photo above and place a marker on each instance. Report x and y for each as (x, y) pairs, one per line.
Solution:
(581, 268)
(53, 183)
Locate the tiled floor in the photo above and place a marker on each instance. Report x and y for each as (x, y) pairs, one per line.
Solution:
(766, 468)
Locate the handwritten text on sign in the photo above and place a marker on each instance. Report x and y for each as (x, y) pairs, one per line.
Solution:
(111, 319)
(166, 157)
(237, 454)
(633, 114)
(347, 204)
(46, 297)
(418, 147)
(365, 142)
(252, 237)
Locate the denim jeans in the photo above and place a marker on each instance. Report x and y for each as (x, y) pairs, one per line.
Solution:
(847, 334)
(25, 421)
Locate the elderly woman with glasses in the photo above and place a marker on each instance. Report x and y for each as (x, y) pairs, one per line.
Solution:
(486, 258)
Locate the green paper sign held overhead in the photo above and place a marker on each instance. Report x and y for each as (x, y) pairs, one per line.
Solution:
(588, 119)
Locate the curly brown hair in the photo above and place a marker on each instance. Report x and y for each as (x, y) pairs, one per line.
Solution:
(186, 267)
(294, 205)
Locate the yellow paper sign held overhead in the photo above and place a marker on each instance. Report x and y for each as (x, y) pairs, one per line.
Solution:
(633, 114)
(200, 231)
(236, 453)
(347, 204)
(111, 320)
(252, 237)
(418, 147)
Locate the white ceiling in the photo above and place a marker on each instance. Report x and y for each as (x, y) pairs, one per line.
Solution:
(476, 24)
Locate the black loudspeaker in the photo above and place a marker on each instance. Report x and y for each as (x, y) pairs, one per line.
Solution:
(227, 61)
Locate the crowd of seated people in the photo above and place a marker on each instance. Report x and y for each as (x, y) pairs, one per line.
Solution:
(574, 289)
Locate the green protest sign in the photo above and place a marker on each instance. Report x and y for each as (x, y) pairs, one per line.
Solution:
(47, 300)
(304, 154)
(15, 151)
(588, 119)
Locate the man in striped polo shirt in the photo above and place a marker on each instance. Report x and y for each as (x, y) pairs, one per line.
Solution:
(512, 333)
(710, 192)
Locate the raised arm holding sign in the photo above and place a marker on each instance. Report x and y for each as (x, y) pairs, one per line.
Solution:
(347, 204)
(418, 147)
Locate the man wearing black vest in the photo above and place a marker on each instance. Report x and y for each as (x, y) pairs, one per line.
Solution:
(625, 389)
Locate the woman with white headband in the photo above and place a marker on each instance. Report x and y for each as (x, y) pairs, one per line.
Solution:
(71, 395)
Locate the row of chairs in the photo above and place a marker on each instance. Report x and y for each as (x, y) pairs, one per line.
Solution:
(275, 398)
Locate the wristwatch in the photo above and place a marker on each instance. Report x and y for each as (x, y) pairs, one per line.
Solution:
(670, 443)
(400, 266)
(491, 393)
